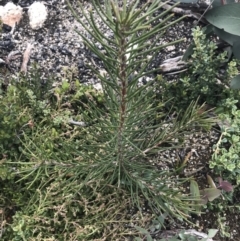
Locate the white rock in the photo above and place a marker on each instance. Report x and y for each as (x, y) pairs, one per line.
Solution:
(98, 86)
(11, 14)
(37, 13)
(170, 48)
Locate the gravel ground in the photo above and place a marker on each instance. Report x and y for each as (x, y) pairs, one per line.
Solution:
(57, 48)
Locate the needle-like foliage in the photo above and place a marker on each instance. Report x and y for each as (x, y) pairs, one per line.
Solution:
(80, 164)
(126, 134)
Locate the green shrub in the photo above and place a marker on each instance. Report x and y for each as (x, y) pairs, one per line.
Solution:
(225, 159)
(203, 79)
(36, 131)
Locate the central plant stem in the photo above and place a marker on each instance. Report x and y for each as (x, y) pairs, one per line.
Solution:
(123, 94)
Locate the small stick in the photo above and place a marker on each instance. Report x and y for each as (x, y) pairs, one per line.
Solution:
(12, 56)
(78, 123)
(181, 11)
(26, 57)
(173, 65)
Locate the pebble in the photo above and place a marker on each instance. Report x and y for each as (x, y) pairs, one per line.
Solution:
(37, 13)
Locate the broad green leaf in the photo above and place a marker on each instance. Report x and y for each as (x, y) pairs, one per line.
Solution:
(236, 49)
(235, 83)
(188, 237)
(194, 189)
(217, 3)
(211, 193)
(212, 233)
(211, 182)
(149, 238)
(227, 37)
(161, 218)
(225, 17)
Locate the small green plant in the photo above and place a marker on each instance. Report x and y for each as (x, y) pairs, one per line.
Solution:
(203, 79)
(211, 193)
(223, 17)
(225, 160)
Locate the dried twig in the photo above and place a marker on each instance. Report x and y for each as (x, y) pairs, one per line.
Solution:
(77, 123)
(181, 11)
(26, 57)
(192, 232)
(173, 65)
(12, 56)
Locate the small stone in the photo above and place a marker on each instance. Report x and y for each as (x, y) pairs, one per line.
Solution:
(65, 51)
(11, 14)
(98, 86)
(170, 48)
(37, 13)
